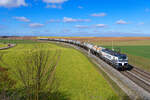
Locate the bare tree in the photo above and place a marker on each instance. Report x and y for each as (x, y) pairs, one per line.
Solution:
(35, 70)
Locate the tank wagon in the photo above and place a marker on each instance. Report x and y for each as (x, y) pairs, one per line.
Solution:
(113, 58)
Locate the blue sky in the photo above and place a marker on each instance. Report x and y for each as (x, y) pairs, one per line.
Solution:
(75, 17)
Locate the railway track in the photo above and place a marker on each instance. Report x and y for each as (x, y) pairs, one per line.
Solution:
(139, 76)
(143, 73)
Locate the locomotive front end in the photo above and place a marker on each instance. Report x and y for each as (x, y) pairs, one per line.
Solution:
(123, 61)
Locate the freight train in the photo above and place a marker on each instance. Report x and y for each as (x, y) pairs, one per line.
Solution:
(116, 59)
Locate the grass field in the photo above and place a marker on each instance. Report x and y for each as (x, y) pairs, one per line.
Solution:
(123, 43)
(3, 45)
(78, 78)
(15, 41)
(142, 51)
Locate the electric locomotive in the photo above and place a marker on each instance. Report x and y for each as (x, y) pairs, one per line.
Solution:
(116, 59)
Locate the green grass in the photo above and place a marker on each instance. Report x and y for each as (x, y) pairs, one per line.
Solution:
(16, 41)
(142, 51)
(123, 42)
(76, 75)
(80, 79)
(3, 45)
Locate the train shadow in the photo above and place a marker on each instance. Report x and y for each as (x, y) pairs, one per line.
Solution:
(128, 68)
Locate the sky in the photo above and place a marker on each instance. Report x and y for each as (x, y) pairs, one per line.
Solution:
(103, 18)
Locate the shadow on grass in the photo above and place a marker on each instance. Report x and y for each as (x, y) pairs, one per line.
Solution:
(11, 95)
(125, 97)
(58, 96)
(116, 98)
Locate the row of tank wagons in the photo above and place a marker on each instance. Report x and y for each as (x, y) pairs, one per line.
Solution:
(116, 59)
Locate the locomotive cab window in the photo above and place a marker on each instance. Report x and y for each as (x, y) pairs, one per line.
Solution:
(122, 57)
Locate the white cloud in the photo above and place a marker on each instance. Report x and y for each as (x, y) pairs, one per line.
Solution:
(81, 26)
(35, 25)
(12, 3)
(54, 6)
(101, 25)
(99, 14)
(24, 19)
(121, 22)
(67, 19)
(55, 1)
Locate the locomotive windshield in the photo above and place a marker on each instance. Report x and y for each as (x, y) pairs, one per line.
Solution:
(122, 57)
